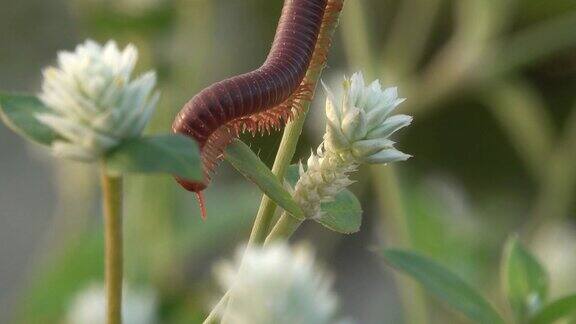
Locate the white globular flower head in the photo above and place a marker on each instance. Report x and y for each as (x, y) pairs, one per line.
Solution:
(360, 124)
(358, 128)
(139, 306)
(277, 284)
(94, 103)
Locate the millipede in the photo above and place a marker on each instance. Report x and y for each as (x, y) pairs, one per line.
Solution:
(261, 100)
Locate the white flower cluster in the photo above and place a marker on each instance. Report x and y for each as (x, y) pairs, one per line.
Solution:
(93, 101)
(277, 284)
(139, 306)
(357, 130)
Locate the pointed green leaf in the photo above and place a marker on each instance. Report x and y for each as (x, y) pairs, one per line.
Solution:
(445, 285)
(342, 215)
(249, 165)
(525, 281)
(559, 309)
(175, 154)
(19, 113)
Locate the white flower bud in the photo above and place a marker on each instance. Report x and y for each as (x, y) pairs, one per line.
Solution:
(277, 284)
(362, 114)
(93, 101)
(139, 306)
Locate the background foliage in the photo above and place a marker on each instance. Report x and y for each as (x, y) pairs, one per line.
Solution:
(490, 83)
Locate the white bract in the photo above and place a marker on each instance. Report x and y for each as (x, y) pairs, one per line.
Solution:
(139, 306)
(358, 128)
(277, 284)
(94, 105)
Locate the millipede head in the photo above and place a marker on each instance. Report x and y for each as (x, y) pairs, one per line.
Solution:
(197, 188)
(193, 186)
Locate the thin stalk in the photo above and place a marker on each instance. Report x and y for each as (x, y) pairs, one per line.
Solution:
(289, 142)
(409, 37)
(283, 158)
(112, 208)
(354, 36)
(524, 117)
(284, 228)
(559, 183)
(212, 318)
(293, 130)
(530, 130)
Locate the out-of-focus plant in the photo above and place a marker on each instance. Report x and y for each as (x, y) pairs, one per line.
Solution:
(481, 58)
(524, 284)
(277, 284)
(471, 59)
(139, 306)
(91, 110)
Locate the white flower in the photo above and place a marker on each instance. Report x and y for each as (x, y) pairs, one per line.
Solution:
(277, 284)
(139, 306)
(93, 101)
(360, 122)
(357, 130)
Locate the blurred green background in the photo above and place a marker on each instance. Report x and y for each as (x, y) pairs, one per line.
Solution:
(492, 87)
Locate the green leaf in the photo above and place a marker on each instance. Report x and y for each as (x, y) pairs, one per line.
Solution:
(342, 215)
(525, 281)
(249, 165)
(174, 153)
(445, 285)
(561, 308)
(19, 113)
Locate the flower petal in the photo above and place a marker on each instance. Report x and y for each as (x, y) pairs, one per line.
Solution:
(365, 148)
(387, 156)
(354, 124)
(390, 126)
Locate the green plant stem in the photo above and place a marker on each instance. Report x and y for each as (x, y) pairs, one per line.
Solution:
(558, 184)
(287, 147)
(409, 36)
(283, 158)
(523, 116)
(284, 228)
(293, 130)
(354, 37)
(112, 208)
(212, 318)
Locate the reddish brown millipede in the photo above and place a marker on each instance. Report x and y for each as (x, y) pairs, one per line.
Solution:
(263, 99)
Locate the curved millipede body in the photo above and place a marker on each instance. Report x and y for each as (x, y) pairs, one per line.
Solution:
(263, 99)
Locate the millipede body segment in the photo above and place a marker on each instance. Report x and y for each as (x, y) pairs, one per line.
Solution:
(263, 99)
(259, 100)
